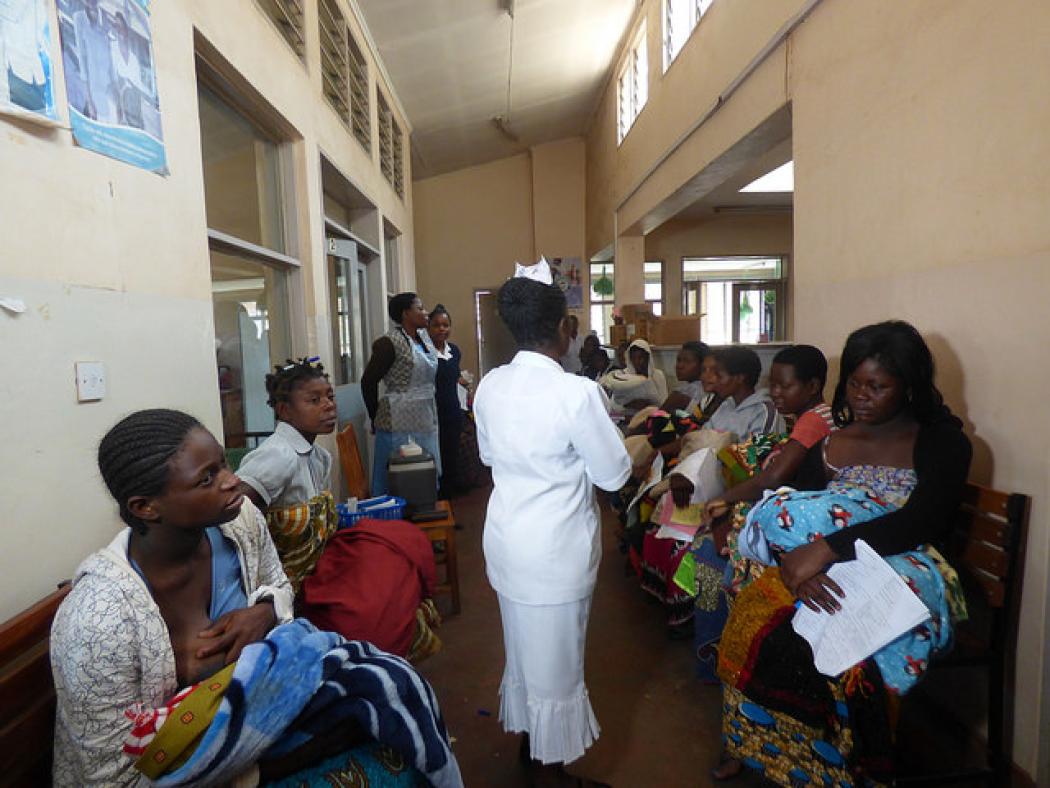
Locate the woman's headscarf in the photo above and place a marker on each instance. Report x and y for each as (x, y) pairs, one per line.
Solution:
(641, 344)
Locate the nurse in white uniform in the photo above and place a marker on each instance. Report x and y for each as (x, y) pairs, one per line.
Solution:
(549, 440)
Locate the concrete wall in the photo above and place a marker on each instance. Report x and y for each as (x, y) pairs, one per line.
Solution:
(472, 224)
(113, 265)
(921, 186)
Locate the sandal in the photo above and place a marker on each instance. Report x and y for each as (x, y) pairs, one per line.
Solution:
(727, 769)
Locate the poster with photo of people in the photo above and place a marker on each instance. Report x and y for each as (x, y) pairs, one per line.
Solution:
(566, 272)
(111, 86)
(26, 84)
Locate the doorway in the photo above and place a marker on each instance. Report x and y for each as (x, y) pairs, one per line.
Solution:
(496, 346)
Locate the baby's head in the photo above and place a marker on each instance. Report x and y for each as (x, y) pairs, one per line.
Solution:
(301, 395)
(163, 467)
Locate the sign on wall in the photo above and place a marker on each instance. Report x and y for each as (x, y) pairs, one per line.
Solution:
(111, 86)
(26, 85)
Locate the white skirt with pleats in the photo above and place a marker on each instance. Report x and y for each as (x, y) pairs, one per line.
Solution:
(543, 692)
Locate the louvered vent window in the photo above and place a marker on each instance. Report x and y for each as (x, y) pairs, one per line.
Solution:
(360, 112)
(334, 58)
(288, 16)
(390, 155)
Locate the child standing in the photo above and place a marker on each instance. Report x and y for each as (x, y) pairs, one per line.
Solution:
(288, 476)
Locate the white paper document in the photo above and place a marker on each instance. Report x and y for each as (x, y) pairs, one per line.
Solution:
(877, 609)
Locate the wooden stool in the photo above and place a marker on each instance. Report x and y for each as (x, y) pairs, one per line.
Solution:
(444, 530)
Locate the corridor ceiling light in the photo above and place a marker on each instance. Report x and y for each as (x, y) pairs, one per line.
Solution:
(782, 179)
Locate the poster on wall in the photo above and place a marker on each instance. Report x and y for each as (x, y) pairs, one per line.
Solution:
(566, 271)
(107, 59)
(26, 85)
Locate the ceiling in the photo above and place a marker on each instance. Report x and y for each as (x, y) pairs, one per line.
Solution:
(449, 61)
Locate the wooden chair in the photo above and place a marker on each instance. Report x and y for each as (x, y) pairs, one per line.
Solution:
(987, 550)
(444, 530)
(350, 462)
(27, 694)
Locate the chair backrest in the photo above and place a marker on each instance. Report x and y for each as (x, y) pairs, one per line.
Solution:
(27, 694)
(988, 542)
(350, 462)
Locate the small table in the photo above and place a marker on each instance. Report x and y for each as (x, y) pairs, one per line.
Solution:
(444, 530)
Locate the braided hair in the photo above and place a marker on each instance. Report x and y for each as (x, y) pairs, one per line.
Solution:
(134, 457)
(282, 381)
(532, 311)
(439, 309)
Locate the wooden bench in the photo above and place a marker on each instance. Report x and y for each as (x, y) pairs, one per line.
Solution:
(27, 694)
(987, 550)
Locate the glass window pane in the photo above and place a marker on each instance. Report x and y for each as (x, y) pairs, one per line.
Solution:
(242, 193)
(602, 278)
(696, 269)
(342, 327)
(249, 301)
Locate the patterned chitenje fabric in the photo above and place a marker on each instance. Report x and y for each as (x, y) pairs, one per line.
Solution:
(781, 717)
(299, 683)
(300, 533)
(367, 766)
(165, 741)
(425, 642)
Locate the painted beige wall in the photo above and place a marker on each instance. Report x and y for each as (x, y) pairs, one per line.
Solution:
(472, 224)
(711, 236)
(727, 38)
(921, 186)
(113, 265)
(921, 193)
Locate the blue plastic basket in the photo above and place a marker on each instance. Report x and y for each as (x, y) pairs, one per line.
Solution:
(385, 507)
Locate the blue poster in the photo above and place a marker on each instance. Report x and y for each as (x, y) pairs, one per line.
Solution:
(111, 85)
(26, 86)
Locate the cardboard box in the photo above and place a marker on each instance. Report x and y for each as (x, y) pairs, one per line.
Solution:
(674, 330)
(641, 328)
(617, 334)
(631, 312)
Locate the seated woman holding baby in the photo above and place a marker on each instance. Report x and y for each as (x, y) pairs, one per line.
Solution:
(893, 475)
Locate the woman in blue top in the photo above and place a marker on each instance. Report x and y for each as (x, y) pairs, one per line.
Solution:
(446, 393)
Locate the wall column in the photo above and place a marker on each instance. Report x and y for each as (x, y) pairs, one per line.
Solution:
(629, 271)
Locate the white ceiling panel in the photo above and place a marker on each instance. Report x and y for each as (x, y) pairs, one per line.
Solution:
(450, 61)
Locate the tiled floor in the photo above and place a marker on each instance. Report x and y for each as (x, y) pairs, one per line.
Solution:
(660, 726)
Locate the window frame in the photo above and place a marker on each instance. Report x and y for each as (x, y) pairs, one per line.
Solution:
(661, 301)
(602, 301)
(632, 84)
(697, 9)
(781, 285)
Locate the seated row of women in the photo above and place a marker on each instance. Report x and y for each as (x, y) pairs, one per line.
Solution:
(884, 464)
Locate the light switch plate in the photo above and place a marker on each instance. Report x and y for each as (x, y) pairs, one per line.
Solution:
(91, 381)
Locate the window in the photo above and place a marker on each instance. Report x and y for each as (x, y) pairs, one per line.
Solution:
(391, 153)
(602, 299)
(739, 299)
(654, 286)
(244, 199)
(680, 19)
(344, 72)
(360, 112)
(288, 16)
(632, 85)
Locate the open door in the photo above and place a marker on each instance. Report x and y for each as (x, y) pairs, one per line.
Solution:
(496, 346)
(351, 337)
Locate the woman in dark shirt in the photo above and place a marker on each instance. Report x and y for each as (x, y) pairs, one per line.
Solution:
(450, 414)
